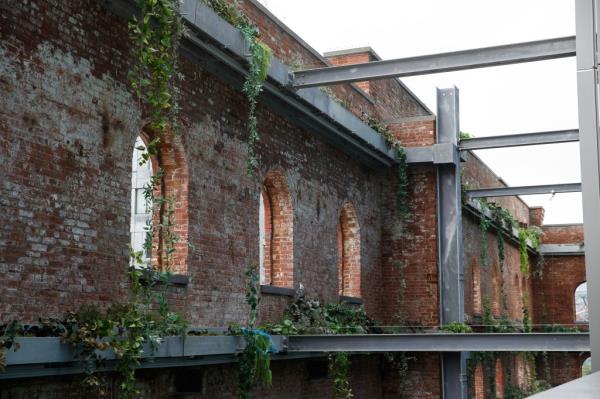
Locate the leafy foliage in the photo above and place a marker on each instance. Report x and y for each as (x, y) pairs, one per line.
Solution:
(255, 360)
(393, 142)
(456, 327)
(526, 237)
(339, 366)
(259, 60)
(126, 329)
(310, 316)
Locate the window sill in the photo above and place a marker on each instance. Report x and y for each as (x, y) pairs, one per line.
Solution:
(274, 290)
(351, 300)
(177, 280)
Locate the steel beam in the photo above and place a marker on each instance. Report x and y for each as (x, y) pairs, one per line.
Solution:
(524, 190)
(517, 140)
(453, 343)
(222, 50)
(446, 62)
(449, 206)
(586, 12)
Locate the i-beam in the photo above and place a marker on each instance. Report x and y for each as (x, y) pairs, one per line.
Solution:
(518, 140)
(524, 190)
(445, 62)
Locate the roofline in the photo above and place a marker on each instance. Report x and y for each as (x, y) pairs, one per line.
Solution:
(303, 43)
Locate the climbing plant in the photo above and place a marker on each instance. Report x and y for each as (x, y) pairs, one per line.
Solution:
(339, 366)
(526, 237)
(259, 61)
(393, 142)
(255, 359)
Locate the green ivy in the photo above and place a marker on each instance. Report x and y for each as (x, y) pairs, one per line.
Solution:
(255, 360)
(527, 236)
(259, 59)
(456, 327)
(339, 366)
(393, 142)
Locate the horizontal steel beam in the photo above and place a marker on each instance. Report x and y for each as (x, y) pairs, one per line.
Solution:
(562, 249)
(436, 63)
(549, 342)
(524, 190)
(517, 140)
(437, 154)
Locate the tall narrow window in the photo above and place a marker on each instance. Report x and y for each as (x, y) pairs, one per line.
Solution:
(349, 273)
(276, 224)
(169, 244)
(141, 213)
(476, 286)
(581, 304)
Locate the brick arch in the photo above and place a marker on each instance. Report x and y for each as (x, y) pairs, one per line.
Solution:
(277, 232)
(349, 270)
(170, 157)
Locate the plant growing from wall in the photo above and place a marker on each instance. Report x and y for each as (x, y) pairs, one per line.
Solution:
(526, 237)
(255, 359)
(339, 366)
(393, 142)
(456, 327)
(259, 60)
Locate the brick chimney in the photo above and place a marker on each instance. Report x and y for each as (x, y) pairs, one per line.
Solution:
(354, 56)
(536, 216)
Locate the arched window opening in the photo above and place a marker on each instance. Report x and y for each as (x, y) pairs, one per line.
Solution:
(499, 378)
(170, 244)
(276, 232)
(586, 366)
(479, 386)
(349, 273)
(141, 212)
(581, 304)
(476, 276)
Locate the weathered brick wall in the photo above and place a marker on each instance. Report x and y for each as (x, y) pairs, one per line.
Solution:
(504, 289)
(291, 379)
(562, 367)
(476, 174)
(69, 123)
(554, 290)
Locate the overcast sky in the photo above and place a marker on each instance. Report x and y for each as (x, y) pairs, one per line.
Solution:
(523, 98)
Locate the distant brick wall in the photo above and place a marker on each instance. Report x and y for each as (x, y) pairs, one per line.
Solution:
(555, 289)
(291, 379)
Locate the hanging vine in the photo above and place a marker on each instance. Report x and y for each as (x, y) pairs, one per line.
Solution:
(530, 236)
(255, 359)
(393, 142)
(259, 60)
(339, 366)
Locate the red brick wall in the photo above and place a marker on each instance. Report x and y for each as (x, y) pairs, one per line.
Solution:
(290, 380)
(68, 128)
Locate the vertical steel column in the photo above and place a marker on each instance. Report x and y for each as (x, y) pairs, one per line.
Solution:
(450, 244)
(586, 12)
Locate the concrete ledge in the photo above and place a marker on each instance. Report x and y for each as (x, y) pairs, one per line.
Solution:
(351, 300)
(274, 290)
(562, 249)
